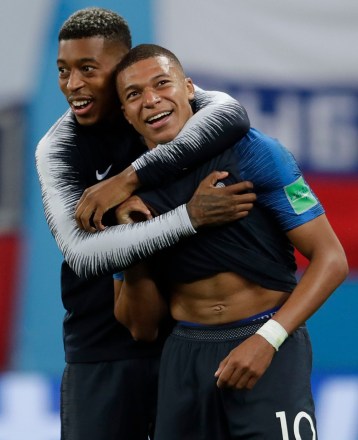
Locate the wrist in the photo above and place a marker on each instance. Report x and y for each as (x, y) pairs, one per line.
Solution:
(131, 179)
(274, 333)
(191, 216)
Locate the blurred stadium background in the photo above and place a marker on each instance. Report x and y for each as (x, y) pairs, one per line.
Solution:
(291, 64)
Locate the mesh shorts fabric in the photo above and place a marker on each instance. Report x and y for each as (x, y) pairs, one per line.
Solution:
(220, 333)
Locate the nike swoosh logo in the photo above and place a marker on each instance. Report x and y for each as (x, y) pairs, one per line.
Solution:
(100, 176)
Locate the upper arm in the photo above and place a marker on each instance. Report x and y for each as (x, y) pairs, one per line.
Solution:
(314, 236)
(317, 239)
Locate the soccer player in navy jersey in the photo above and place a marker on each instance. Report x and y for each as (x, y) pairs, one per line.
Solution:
(237, 364)
(109, 383)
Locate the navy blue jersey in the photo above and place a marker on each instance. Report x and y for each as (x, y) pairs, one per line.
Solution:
(255, 247)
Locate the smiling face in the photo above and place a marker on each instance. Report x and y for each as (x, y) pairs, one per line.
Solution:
(86, 77)
(155, 98)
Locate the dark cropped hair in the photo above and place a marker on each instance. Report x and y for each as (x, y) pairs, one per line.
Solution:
(96, 22)
(145, 51)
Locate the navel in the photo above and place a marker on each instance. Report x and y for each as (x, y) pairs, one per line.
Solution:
(219, 308)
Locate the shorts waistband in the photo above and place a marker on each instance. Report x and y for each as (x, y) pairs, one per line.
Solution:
(217, 333)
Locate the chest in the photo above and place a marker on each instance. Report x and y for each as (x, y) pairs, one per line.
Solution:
(181, 190)
(103, 155)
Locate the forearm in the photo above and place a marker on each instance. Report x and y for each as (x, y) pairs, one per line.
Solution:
(219, 122)
(319, 281)
(327, 269)
(117, 247)
(139, 305)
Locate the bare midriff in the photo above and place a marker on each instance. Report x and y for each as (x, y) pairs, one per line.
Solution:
(223, 298)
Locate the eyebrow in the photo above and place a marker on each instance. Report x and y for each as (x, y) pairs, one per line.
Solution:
(81, 60)
(135, 86)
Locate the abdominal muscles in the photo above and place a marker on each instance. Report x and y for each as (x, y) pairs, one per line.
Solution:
(223, 298)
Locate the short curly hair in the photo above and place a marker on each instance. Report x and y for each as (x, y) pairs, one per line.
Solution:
(96, 22)
(145, 51)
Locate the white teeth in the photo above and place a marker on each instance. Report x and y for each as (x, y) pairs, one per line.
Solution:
(160, 115)
(79, 103)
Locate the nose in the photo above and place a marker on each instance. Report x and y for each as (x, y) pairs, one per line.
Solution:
(150, 98)
(75, 81)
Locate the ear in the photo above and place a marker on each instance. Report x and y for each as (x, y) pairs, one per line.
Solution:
(190, 88)
(125, 114)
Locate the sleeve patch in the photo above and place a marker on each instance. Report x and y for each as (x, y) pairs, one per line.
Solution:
(300, 196)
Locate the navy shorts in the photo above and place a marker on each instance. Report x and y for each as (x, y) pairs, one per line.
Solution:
(109, 400)
(192, 407)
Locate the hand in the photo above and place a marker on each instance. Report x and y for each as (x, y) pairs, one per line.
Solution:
(211, 205)
(99, 198)
(133, 210)
(244, 365)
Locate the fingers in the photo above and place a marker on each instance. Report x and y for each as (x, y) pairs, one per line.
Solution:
(88, 214)
(212, 205)
(212, 210)
(83, 217)
(214, 177)
(239, 209)
(98, 199)
(232, 377)
(231, 374)
(89, 218)
(132, 211)
(97, 219)
(222, 365)
(237, 188)
(245, 364)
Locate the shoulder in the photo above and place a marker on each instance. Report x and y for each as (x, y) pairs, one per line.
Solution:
(265, 161)
(64, 129)
(221, 105)
(278, 180)
(58, 143)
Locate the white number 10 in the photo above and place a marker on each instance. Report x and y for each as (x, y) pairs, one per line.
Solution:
(296, 425)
